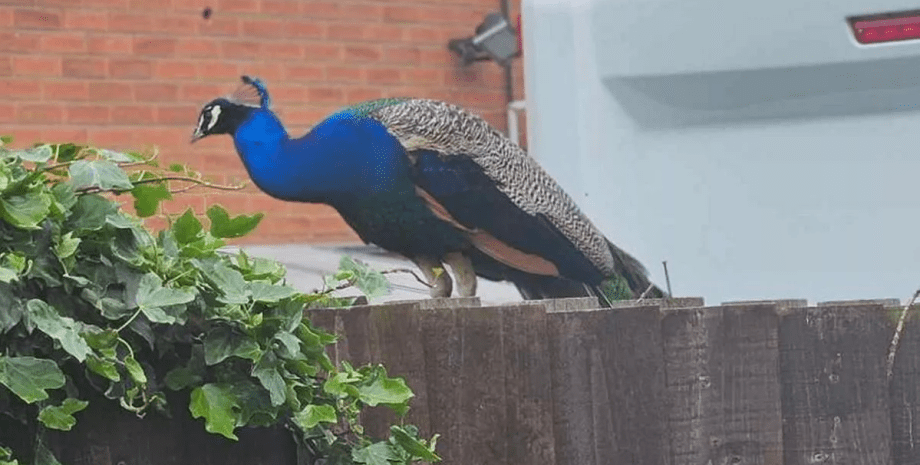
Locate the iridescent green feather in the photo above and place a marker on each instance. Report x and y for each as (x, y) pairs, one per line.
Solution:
(370, 106)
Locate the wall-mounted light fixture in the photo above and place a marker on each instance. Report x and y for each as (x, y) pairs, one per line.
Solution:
(495, 39)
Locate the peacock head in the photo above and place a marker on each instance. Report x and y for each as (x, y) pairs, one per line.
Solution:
(224, 115)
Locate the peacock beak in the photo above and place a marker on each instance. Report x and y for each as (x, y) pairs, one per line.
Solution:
(196, 135)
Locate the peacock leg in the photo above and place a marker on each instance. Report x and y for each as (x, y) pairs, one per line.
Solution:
(441, 285)
(462, 267)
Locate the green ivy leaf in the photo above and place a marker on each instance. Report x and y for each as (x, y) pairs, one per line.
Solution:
(225, 227)
(118, 157)
(190, 375)
(135, 370)
(6, 454)
(290, 342)
(7, 275)
(60, 417)
(228, 281)
(89, 213)
(266, 371)
(341, 384)
(102, 341)
(270, 293)
(61, 328)
(15, 261)
(29, 377)
(5, 179)
(147, 198)
(180, 378)
(98, 173)
(68, 152)
(25, 211)
(415, 446)
(223, 341)
(39, 154)
(152, 297)
(378, 453)
(67, 246)
(384, 390)
(13, 309)
(187, 228)
(313, 414)
(370, 282)
(219, 407)
(103, 367)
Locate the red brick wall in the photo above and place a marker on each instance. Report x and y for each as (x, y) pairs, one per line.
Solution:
(130, 74)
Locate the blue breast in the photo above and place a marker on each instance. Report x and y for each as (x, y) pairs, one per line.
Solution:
(353, 164)
(343, 156)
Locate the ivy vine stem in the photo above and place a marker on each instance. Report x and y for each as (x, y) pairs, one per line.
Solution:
(130, 320)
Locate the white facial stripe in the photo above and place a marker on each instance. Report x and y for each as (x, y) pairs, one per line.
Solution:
(200, 122)
(215, 113)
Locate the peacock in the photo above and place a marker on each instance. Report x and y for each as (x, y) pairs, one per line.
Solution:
(430, 181)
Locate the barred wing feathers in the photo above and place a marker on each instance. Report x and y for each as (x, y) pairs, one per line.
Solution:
(465, 167)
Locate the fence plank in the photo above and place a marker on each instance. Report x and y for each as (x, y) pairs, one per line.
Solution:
(528, 385)
(834, 392)
(722, 371)
(481, 388)
(466, 367)
(636, 375)
(387, 334)
(396, 343)
(904, 396)
(608, 378)
(574, 353)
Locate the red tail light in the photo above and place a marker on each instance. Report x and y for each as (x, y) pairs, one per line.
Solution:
(886, 28)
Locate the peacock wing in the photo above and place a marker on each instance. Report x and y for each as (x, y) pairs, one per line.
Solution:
(488, 185)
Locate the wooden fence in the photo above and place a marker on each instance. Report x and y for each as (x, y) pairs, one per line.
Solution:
(658, 383)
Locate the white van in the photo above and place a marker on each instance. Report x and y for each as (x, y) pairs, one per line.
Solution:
(760, 149)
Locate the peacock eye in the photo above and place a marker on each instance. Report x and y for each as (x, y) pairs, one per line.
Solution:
(214, 114)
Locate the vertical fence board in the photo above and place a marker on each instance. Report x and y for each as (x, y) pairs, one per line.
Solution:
(904, 400)
(396, 344)
(483, 418)
(528, 386)
(573, 347)
(442, 341)
(722, 371)
(465, 366)
(608, 379)
(834, 393)
(636, 379)
(386, 334)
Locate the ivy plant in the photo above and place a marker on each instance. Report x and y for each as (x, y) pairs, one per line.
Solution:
(93, 301)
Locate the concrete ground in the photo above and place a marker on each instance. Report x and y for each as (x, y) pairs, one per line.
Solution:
(307, 264)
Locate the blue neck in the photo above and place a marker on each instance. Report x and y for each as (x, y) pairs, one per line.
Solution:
(342, 158)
